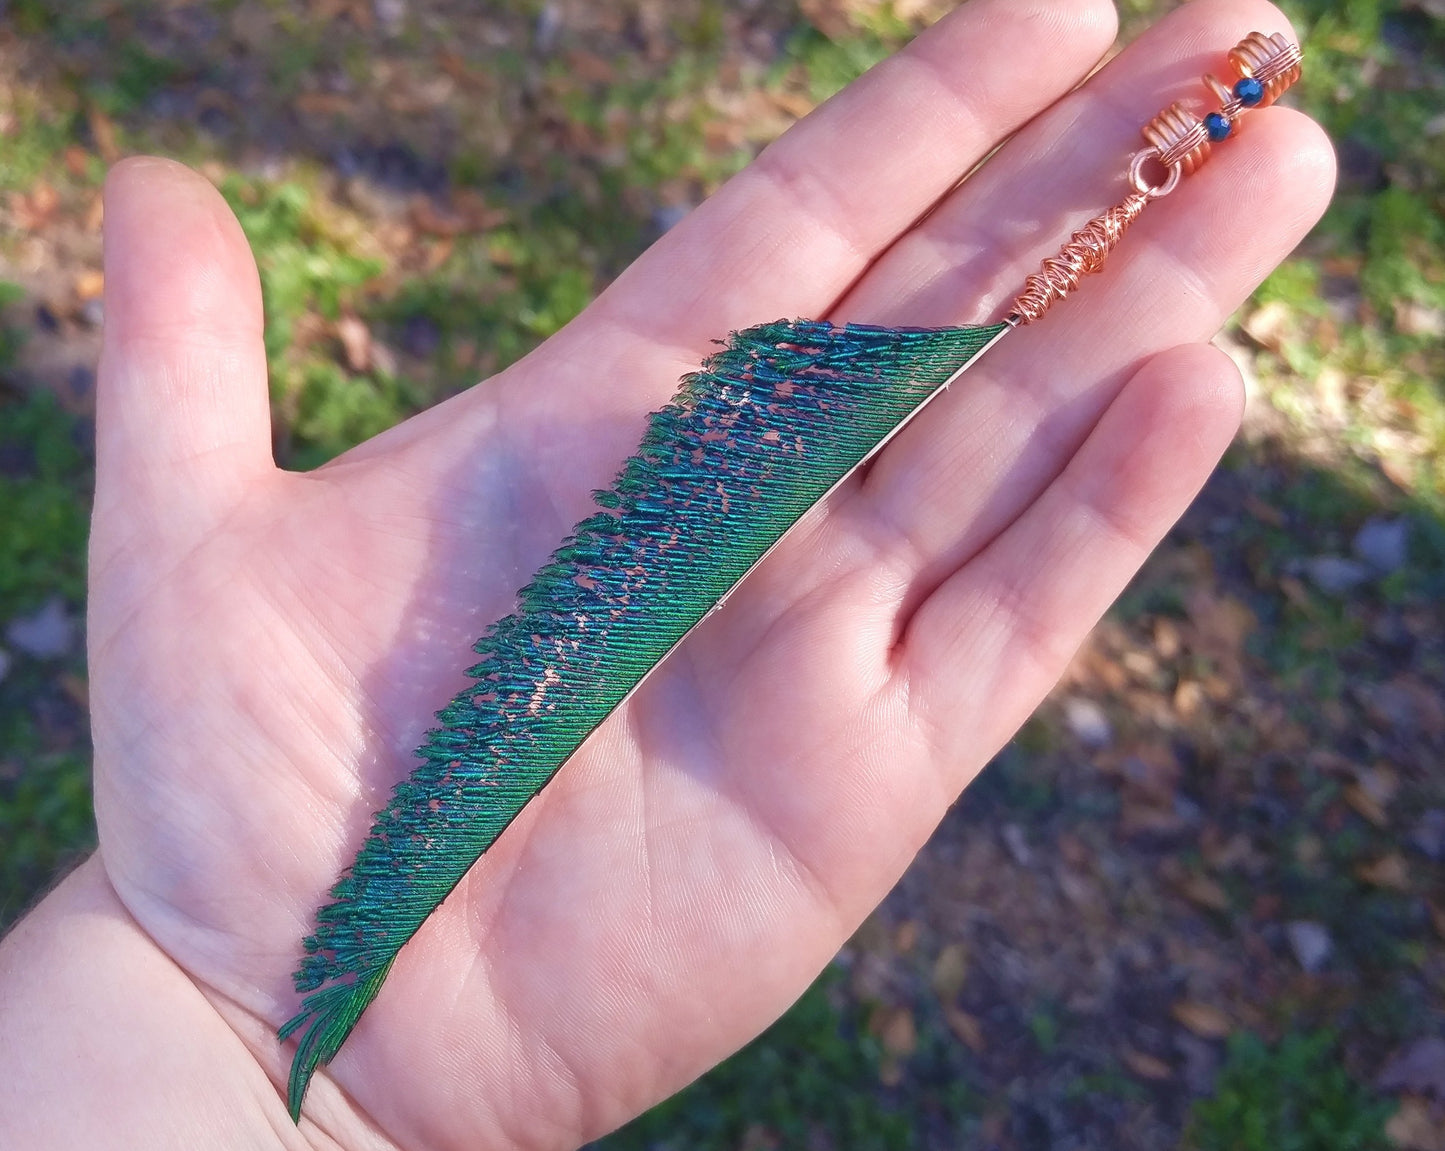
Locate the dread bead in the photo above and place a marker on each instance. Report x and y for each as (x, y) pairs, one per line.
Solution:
(1249, 92)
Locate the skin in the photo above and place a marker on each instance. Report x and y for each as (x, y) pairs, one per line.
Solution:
(266, 648)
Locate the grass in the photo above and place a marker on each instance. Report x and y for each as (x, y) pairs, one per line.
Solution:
(1292, 1097)
(44, 505)
(45, 816)
(812, 1080)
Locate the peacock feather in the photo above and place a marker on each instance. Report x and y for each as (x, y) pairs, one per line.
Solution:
(753, 439)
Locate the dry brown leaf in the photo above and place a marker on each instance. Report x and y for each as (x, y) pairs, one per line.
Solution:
(1390, 872)
(896, 1030)
(35, 209)
(793, 104)
(77, 688)
(438, 252)
(90, 285)
(591, 67)
(1267, 325)
(323, 104)
(479, 215)
(431, 220)
(94, 214)
(1189, 699)
(968, 1029)
(1137, 818)
(1146, 1066)
(1416, 1127)
(1367, 805)
(1265, 513)
(355, 339)
(77, 160)
(1204, 892)
(1168, 643)
(102, 131)
(950, 972)
(1074, 851)
(1203, 1020)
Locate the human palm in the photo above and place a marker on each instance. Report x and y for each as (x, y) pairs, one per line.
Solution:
(267, 648)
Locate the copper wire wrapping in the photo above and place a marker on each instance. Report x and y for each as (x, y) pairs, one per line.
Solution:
(1180, 137)
(1084, 254)
(1179, 143)
(1272, 60)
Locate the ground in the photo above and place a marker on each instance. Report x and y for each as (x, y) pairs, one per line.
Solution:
(1199, 900)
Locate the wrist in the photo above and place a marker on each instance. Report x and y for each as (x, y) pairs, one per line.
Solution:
(105, 1042)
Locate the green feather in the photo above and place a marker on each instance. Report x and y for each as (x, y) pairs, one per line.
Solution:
(753, 439)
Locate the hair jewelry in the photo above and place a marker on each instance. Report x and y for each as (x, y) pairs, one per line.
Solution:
(761, 432)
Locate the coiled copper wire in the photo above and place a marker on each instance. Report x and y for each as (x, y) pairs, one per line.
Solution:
(1084, 254)
(1272, 60)
(1180, 143)
(1179, 137)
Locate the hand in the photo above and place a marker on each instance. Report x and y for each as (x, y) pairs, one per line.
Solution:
(267, 648)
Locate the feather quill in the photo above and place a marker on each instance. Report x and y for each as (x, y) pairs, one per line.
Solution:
(755, 438)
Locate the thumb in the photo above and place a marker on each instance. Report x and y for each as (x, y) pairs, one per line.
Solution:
(182, 412)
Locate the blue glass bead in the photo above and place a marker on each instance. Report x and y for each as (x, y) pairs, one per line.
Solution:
(1219, 126)
(1249, 91)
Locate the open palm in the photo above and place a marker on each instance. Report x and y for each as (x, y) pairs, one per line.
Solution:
(267, 648)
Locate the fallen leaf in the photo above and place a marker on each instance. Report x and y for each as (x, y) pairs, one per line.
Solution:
(77, 688)
(1168, 643)
(479, 215)
(794, 104)
(1189, 699)
(968, 1029)
(94, 214)
(90, 285)
(102, 131)
(1074, 851)
(1146, 1066)
(438, 252)
(896, 1030)
(1200, 1018)
(1268, 324)
(35, 210)
(1204, 892)
(1146, 819)
(355, 339)
(1265, 513)
(590, 67)
(950, 972)
(77, 161)
(323, 104)
(1416, 1127)
(1366, 805)
(1390, 872)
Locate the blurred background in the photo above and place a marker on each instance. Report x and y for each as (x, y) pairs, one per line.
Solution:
(1198, 901)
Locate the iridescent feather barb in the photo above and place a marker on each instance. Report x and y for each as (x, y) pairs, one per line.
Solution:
(753, 440)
